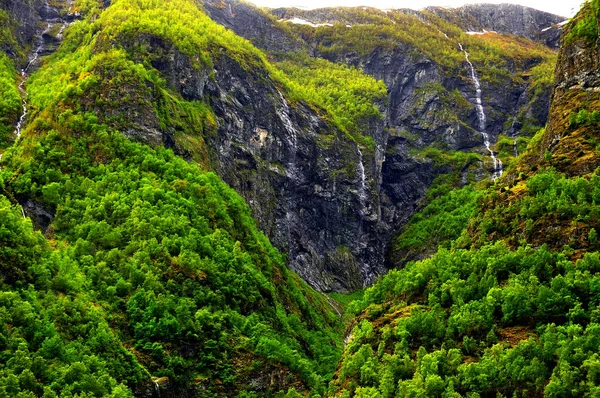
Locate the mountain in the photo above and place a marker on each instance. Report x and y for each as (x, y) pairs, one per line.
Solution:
(511, 19)
(180, 182)
(428, 124)
(508, 306)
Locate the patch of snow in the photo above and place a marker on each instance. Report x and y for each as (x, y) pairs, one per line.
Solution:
(480, 33)
(299, 21)
(557, 26)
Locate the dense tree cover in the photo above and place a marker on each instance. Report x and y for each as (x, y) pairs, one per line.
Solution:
(150, 267)
(167, 261)
(479, 322)
(548, 207)
(10, 99)
(153, 267)
(510, 308)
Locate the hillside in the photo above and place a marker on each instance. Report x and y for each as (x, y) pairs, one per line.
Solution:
(147, 272)
(180, 183)
(508, 305)
(430, 124)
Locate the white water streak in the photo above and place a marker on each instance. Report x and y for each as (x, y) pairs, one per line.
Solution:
(362, 192)
(25, 72)
(481, 116)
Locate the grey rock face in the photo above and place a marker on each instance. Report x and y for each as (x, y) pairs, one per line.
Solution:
(312, 190)
(23, 18)
(251, 23)
(506, 18)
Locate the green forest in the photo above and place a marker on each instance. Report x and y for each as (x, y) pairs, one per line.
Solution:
(128, 267)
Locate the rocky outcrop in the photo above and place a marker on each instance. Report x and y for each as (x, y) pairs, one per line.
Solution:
(569, 140)
(253, 24)
(23, 18)
(312, 189)
(512, 19)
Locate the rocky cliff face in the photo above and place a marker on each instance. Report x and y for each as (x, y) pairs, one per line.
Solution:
(310, 187)
(506, 18)
(422, 112)
(568, 142)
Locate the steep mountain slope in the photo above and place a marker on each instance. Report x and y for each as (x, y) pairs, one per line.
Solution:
(431, 121)
(510, 307)
(323, 164)
(151, 277)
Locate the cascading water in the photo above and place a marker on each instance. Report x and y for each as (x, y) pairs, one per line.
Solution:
(515, 134)
(362, 193)
(41, 47)
(481, 116)
(24, 75)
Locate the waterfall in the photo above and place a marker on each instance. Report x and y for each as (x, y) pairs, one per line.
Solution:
(481, 116)
(362, 192)
(24, 75)
(32, 61)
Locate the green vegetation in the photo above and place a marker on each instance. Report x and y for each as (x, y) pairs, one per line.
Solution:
(584, 118)
(10, 99)
(481, 322)
(350, 96)
(150, 266)
(437, 225)
(372, 31)
(549, 208)
(165, 265)
(585, 25)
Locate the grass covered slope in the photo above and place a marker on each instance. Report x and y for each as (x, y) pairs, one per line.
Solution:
(10, 100)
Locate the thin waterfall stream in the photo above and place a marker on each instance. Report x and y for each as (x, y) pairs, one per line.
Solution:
(498, 169)
(362, 193)
(42, 44)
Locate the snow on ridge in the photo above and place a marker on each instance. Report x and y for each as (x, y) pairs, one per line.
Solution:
(480, 33)
(558, 25)
(300, 21)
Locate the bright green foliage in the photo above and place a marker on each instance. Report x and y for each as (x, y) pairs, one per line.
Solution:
(172, 259)
(585, 25)
(163, 257)
(100, 62)
(51, 341)
(10, 100)
(556, 210)
(442, 221)
(350, 96)
(487, 321)
(584, 118)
